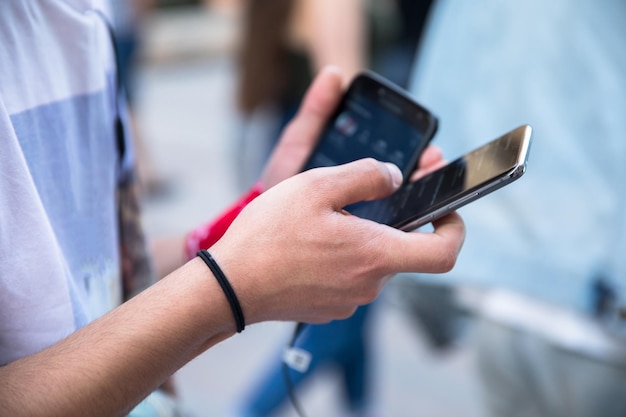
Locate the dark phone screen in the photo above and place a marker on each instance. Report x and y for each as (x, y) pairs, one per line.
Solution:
(374, 121)
(416, 197)
(460, 178)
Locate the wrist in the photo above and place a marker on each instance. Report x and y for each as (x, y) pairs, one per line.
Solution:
(228, 290)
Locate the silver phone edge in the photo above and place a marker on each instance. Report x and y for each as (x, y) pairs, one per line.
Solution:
(514, 174)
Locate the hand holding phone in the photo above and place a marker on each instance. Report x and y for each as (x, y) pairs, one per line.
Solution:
(468, 178)
(375, 119)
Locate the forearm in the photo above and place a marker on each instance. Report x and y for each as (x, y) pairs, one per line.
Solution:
(107, 367)
(337, 34)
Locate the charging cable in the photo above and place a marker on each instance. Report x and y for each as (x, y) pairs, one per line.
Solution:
(299, 360)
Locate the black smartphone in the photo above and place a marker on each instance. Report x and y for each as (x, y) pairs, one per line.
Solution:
(376, 119)
(468, 178)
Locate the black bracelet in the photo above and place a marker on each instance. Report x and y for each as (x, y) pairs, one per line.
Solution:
(228, 290)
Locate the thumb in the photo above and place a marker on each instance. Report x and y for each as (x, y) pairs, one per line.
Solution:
(362, 180)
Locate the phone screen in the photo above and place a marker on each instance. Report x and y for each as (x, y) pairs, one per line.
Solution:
(375, 119)
(465, 179)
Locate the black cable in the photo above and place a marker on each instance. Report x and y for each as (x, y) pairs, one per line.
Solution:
(291, 391)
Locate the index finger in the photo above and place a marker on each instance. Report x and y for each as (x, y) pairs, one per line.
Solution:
(303, 131)
(317, 106)
(431, 160)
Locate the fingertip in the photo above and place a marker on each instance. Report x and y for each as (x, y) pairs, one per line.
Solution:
(324, 93)
(431, 155)
(332, 69)
(337, 74)
(396, 174)
(331, 75)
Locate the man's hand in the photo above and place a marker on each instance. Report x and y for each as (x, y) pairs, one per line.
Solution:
(300, 136)
(294, 254)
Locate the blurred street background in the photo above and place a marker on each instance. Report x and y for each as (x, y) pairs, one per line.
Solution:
(186, 114)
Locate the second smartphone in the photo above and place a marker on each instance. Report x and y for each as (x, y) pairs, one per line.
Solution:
(375, 119)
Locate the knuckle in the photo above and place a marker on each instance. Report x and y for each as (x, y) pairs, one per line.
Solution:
(346, 313)
(317, 179)
(448, 263)
(370, 163)
(369, 297)
(373, 170)
(370, 292)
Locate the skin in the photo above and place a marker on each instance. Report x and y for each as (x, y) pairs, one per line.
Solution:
(331, 32)
(312, 263)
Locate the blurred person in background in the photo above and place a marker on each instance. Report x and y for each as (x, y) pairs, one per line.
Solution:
(394, 34)
(128, 19)
(284, 43)
(549, 252)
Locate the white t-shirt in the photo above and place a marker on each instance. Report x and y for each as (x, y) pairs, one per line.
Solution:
(59, 260)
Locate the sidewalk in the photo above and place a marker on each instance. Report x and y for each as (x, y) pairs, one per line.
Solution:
(186, 110)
